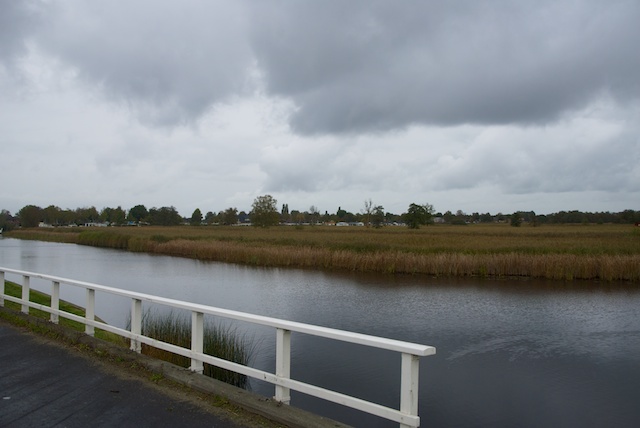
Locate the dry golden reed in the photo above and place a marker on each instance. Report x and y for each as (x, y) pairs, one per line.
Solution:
(600, 252)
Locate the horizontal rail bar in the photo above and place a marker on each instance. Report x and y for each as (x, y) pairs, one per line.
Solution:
(406, 416)
(330, 333)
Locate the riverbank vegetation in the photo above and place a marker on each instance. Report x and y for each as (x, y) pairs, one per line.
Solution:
(219, 341)
(608, 252)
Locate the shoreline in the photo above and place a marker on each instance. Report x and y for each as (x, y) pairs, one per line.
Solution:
(555, 253)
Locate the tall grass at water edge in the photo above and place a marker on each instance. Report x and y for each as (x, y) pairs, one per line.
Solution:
(219, 341)
(562, 252)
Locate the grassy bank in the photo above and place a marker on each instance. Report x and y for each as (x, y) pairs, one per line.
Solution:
(219, 341)
(590, 252)
(15, 290)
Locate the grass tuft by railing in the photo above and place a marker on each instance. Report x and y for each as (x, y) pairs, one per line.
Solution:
(219, 341)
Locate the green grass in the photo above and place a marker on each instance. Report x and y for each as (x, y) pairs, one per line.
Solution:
(15, 290)
(219, 341)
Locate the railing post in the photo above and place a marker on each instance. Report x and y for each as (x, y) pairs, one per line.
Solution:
(90, 311)
(55, 302)
(2, 288)
(197, 340)
(136, 324)
(283, 363)
(25, 293)
(409, 385)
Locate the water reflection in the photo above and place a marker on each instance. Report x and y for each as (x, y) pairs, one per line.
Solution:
(510, 353)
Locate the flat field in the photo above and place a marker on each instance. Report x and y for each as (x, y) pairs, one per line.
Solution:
(567, 252)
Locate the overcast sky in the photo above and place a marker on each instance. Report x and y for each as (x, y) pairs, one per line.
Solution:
(479, 106)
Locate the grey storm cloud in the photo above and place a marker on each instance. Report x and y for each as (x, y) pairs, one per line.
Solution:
(347, 67)
(367, 66)
(171, 61)
(17, 21)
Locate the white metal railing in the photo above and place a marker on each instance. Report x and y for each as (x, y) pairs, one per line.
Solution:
(407, 415)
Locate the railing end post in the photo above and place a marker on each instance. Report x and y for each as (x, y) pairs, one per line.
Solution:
(409, 380)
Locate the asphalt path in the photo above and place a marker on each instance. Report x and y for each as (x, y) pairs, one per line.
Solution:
(48, 385)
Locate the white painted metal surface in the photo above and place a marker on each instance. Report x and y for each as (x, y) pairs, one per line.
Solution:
(406, 416)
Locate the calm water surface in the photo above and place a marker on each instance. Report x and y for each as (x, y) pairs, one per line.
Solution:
(509, 354)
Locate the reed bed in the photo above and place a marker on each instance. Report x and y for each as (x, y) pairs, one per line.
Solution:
(220, 341)
(590, 252)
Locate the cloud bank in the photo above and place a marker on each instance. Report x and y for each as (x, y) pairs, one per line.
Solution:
(319, 101)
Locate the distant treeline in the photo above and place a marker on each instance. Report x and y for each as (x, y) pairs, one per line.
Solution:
(562, 217)
(53, 216)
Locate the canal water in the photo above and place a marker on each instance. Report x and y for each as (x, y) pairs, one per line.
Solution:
(509, 353)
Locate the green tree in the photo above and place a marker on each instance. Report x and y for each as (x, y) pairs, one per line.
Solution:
(30, 216)
(378, 217)
(391, 218)
(460, 218)
(86, 215)
(448, 217)
(486, 218)
(52, 215)
(418, 215)
(230, 216)
(297, 216)
(516, 219)
(264, 212)
(119, 216)
(211, 218)
(196, 217)
(165, 216)
(533, 219)
(7, 222)
(113, 215)
(138, 213)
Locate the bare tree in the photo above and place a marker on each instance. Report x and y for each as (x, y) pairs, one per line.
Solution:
(369, 210)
